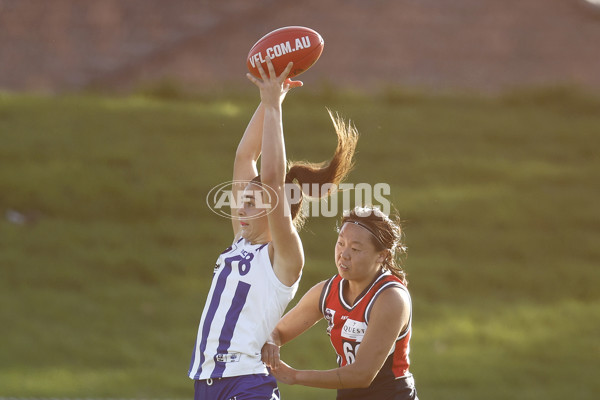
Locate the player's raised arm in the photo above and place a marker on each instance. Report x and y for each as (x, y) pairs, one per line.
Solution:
(315, 180)
(246, 158)
(286, 247)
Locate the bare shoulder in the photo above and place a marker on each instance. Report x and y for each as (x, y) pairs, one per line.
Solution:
(395, 295)
(392, 304)
(317, 289)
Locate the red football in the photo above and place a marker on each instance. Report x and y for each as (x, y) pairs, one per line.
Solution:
(297, 44)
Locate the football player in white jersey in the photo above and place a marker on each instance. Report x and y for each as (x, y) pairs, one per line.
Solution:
(256, 277)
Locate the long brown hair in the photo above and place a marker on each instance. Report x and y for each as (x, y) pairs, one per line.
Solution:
(386, 235)
(325, 176)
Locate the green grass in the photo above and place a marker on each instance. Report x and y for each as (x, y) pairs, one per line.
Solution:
(101, 292)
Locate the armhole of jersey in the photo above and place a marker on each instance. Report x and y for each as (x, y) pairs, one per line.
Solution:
(376, 295)
(263, 251)
(325, 293)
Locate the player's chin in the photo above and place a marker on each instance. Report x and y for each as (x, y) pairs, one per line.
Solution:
(245, 232)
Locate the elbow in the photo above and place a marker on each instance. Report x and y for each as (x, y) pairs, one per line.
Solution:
(271, 178)
(245, 155)
(363, 379)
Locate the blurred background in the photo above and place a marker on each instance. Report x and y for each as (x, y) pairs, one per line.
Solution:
(67, 45)
(118, 117)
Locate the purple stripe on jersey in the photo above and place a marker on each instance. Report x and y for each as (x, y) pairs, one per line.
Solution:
(231, 319)
(193, 356)
(210, 315)
(262, 247)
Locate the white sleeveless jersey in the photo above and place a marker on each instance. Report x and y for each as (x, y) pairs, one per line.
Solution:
(245, 302)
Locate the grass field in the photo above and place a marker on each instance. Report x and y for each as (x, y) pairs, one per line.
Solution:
(107, 245)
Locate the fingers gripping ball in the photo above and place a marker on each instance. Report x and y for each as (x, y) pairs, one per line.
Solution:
(300, 45)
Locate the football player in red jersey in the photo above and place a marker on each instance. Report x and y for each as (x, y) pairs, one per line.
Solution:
(368, 310)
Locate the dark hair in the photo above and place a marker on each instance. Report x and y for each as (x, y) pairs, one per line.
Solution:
(325, 176)
(386, 235)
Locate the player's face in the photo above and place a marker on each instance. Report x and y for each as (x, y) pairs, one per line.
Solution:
(253, 214)
(356, 257)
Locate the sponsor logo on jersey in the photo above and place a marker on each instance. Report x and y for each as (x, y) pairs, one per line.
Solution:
(228, 357)
(354, 330)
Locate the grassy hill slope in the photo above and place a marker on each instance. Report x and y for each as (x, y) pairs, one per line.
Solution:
(107, 245)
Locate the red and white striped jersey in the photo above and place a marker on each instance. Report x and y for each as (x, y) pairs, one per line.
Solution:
(347, 324)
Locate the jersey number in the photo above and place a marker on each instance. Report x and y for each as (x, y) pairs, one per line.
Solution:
(244, 262)
(350, 350)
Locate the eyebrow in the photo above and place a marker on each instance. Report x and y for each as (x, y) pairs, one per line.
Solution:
(353, 241)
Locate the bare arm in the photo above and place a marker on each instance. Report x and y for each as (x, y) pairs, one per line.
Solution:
(389, 316)
(299, 319)
(285, 247)
(246, 157)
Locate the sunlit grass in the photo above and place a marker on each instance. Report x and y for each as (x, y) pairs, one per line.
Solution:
(482, 346)
(102, 281)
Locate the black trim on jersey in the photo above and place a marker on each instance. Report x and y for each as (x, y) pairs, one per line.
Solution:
(384, 386)
(361, 296)
(325, 293)
(369, 307)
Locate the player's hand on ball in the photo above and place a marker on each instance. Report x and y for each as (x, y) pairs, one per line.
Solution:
(298, 44)
(273, 88)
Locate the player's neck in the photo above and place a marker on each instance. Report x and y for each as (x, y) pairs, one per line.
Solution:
(263, 238)
(355, 288)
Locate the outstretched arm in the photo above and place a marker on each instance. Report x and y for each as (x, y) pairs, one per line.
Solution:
(246, 157)
(299, 319)
(389, 316)
(285, 246)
